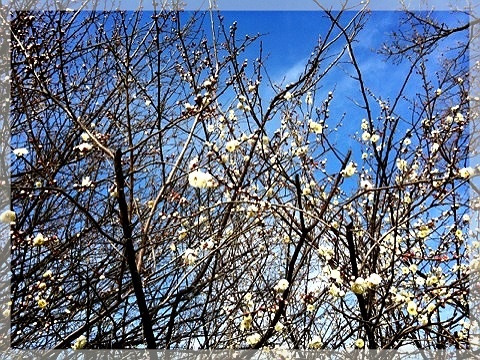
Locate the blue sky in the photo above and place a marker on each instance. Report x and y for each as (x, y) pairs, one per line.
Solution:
(290, 36)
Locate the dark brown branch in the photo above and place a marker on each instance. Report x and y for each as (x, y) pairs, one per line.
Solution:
(130, 254)
(361, 300)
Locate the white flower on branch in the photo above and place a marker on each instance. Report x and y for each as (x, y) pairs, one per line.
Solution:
(20, 152)
(201, 180)
(281, 286)
(8, 216)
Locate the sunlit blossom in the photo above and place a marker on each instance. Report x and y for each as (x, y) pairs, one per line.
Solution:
(42, 303)
(423, 232)
(189, 257)
(86, 182)
(309, 98)
(8, 216)
(85, 136)
(366, 136)
(246, 323)
(412, 308)
(373, 280)
(84, 147)
(459, 234)
(182, 234)
(375, 138)
(366, 185)
(349, 170)
(231, 115)
(315, 127)
(200, 179)
(253, 339)
(336, 291)
(80, 343)
(364, 125)
(459, 119)
(423, 320)
(39, 240)
(336, 275)
(232, 145)
(315, 343)
(401, 164)
(359, 286)
(432, 280)
(359, 343)
(466, 172)
(279, 327)
(302, 150)
(20, 152)
(282, 285)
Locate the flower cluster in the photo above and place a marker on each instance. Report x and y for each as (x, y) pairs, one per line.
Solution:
(201, 180)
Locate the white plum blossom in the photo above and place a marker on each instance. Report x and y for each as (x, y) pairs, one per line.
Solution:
(232, 145)
(349, 170)
(193, 163)
(189, 257)
(279, 327)
(39, 240)
(80, 343)
(366, 184)
(201, 180)
(282, 285)
(8, 216)
(364, 125)
(373, 280)
(83, 147)
(315, 343)
(336, 275)
(335, 291)
(359, 286)
(309, 98)
(401, 164)
(412, 308)
(246, 323)
(20, 152)
(86, 182)
(315, 127)
(466, 172)
(253, 339)
(359, 343)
